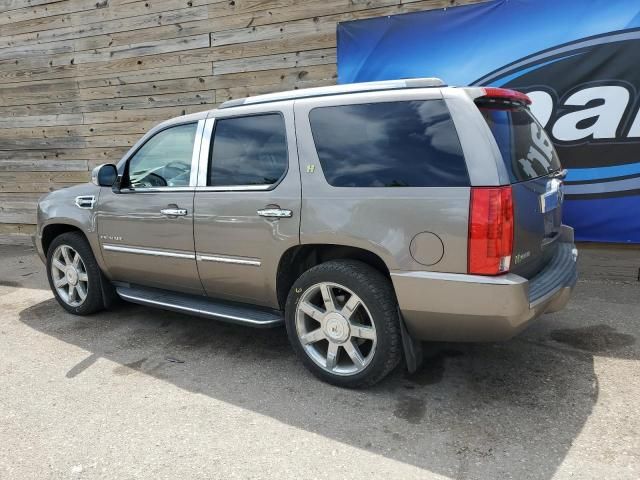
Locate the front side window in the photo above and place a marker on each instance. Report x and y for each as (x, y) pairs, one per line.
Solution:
(249, 150)
(389, 144)
(164, 160)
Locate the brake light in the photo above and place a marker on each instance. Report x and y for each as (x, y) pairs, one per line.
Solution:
(490, 230)
(506, 94)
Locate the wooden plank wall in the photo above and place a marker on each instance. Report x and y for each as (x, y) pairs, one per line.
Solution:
(82, 80)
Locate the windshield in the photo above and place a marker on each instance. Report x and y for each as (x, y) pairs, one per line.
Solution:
(526, 149)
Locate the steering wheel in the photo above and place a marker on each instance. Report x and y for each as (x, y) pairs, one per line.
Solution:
(179, 165)
(152, 180)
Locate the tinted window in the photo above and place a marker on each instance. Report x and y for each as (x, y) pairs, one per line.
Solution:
(395, 144)
(248, 150)
(165, 159)
(526, 149)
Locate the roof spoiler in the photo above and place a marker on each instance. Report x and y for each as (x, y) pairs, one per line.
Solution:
(498, 94)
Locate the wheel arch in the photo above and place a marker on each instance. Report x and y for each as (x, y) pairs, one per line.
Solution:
(300, 258)
(53, 230)
(58, 226)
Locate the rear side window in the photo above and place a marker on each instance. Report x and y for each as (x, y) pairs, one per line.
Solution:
(249, 150)
(389, 144)
(526, 149)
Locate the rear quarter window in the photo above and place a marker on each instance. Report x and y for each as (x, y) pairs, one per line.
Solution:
(389, 144)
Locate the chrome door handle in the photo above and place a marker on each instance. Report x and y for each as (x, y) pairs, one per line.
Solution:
(173, 212)
(275, 213)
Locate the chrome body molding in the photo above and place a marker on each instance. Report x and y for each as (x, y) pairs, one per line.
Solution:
(86, 202)
(254, 262)
(506, 279)
(146, 251)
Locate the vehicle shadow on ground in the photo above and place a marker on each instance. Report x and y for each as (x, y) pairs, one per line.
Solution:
(473, 411)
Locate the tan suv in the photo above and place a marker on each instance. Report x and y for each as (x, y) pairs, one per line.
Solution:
(364, 217)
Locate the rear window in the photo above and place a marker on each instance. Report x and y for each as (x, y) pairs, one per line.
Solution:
(526, 149)
(389, 144)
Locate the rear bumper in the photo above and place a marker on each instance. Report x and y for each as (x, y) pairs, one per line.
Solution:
(458, 307)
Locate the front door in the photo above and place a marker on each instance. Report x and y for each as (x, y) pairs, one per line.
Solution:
(247, 204)
(146, 226)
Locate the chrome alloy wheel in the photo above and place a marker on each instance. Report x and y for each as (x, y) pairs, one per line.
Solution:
(69, 275)
(335, 329)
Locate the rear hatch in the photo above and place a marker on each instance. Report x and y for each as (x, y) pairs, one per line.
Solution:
(535, 175)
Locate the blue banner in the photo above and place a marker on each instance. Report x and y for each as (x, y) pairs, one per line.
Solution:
(577, 60)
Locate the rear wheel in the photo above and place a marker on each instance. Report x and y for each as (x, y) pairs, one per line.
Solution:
(342, 321)
(74, 275)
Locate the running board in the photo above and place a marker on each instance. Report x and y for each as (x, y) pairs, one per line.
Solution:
(201, 306)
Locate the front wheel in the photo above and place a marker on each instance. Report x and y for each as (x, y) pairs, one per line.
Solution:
(74, 275)
(342, 322)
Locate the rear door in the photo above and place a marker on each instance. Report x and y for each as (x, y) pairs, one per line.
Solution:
(534, 171)
(247, 203)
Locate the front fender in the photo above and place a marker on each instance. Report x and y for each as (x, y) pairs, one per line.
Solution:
(59, 208)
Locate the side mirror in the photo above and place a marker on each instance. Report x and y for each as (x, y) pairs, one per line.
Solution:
(104, 175)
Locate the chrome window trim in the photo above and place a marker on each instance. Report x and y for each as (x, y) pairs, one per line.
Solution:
(203, 159)
(195, 155)
(254, 262)
(157, 189)
(143, 251)
(235, 188)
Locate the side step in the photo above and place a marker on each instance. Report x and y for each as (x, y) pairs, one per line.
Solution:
(201, 306)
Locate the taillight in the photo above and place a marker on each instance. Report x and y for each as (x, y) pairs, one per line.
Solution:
(490, 230)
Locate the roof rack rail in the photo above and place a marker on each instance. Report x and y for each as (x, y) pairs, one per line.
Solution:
(335, 90)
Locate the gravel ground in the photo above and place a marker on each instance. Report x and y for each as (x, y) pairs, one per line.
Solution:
(141, 393)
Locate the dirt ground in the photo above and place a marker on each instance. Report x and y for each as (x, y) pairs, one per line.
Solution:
(141, 393)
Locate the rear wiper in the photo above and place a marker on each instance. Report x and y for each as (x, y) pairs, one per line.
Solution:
(561, 174)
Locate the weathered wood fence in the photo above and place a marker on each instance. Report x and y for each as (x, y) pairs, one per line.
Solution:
(81, 80)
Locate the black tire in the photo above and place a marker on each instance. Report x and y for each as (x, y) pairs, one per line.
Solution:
(377, 293)
(94, 301)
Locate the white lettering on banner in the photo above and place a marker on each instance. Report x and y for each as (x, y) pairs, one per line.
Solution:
(541, 106)
(634, 131)
(608, 114)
